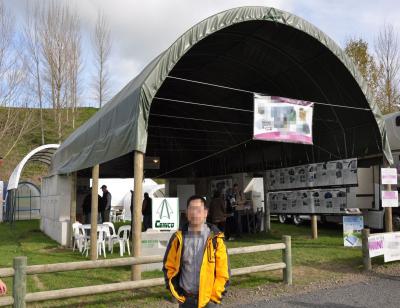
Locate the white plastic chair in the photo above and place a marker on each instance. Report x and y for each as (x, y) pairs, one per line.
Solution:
(101, 241)
(110, 235)
(78, 236)
(121, 217)
(122, 239)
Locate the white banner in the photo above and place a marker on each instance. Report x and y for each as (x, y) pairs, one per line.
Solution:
(282, 119)
(390, 198)
(376, 245)
(389, 176)
(392, 246)
(165, 214)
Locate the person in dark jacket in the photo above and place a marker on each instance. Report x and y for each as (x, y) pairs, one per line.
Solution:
(147, 211)
(217, 211)
(87, 207)
(105, 204)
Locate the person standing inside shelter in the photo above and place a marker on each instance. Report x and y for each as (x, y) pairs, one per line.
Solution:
(217, 211)
(87, 208)
(197, 250)
(147, 211)
(105, 204)
(238, 202)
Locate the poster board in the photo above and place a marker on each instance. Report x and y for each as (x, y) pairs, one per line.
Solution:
(352, 231)
(282, 119)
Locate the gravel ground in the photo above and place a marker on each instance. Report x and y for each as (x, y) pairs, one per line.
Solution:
(379, 288)
(376, 292)
(329, 287)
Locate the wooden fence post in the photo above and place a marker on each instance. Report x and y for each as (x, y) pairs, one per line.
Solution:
(19, 285)
(287, 259)
(365, 250)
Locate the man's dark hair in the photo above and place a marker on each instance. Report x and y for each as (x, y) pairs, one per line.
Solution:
(197, 197)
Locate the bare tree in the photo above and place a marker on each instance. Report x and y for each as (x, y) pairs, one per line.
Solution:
(387, 52)
(31, 36)
(74, 66)
(57, 24)
(14, 117)
(102, 47)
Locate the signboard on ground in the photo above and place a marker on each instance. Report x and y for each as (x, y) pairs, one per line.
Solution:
(389, 176)
(390, 198)
(376, 245)
(392, 246)
(282, 119)
(352, 229)
(165, 214)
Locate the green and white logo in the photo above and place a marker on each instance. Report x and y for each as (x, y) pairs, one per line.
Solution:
(165, 213)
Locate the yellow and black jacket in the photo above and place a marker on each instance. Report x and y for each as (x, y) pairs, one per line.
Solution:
(214, 271)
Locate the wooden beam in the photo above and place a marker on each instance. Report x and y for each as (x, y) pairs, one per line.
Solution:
(314, 226)
(94, 214)
(267, 210)
(137, 213)
(365, 250)
(19, 285)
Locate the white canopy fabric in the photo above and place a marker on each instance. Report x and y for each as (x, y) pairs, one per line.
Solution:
(42, 154)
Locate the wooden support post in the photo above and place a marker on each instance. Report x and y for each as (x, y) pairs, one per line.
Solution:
(267, 209)
(19, 285)
(365, 250)
(287, 259)
(137, 213)
(72, 212)
(388, 216)
(94, 214)
(314, 226)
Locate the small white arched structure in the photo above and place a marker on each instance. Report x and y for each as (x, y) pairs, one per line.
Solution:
(42, 154)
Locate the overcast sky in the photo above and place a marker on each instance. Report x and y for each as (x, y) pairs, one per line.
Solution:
(143, 29)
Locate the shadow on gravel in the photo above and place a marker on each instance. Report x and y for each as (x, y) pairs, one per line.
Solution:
(385, 276)
(325, 305)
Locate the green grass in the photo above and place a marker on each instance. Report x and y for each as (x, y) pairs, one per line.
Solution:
(32, 140)
(25, 238)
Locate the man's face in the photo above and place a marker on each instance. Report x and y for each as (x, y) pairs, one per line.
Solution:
(196, 213)
(235, 189)
(104, 189)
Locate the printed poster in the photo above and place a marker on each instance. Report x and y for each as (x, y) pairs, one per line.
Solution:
(390, 198)
(282, 119)
(376, 245)
(352, 230)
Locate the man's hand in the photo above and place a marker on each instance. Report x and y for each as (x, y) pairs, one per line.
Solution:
(3, 288)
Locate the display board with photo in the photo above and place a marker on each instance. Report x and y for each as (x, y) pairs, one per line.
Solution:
(315, 201)
(333, 173)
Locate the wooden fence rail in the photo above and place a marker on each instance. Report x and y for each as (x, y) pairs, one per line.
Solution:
(20, 270)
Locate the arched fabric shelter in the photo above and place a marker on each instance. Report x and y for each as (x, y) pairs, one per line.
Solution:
(43, 154)
(164, 113)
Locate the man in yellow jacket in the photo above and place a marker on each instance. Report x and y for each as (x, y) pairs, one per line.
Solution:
(196, 266)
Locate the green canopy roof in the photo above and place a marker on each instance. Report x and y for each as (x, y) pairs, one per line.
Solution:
(258, 49)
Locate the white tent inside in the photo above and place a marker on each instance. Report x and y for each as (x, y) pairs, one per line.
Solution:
(121, 195)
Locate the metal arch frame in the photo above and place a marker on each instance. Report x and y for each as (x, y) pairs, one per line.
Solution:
(42, 154)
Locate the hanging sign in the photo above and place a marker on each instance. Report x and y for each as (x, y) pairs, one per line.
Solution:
(389, 176)
(282, 119)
